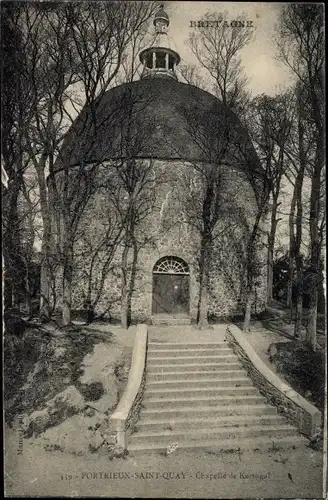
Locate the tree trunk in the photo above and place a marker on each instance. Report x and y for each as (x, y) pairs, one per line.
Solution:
(203, 299)
(250, 271)
(248, 311)
(270, 274)
(67, 260)
(298, 317)
(44, 311)
(299, 265)
(289, 299)
(292, 245)
(127, 287)
(67, 245)
(299, 299)
(291, 253)
(208, 223)
(250, 292)
(90, 311)
(271, 243)
(316, 187)
(295, 227)
(15, 298)
(27, 304)
(315, 259)
(67, 287)
(124, 287)
(12, 251)
(204, 261)
(132, 279)
(311, 334)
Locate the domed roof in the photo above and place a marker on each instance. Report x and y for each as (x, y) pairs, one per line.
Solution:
(161, 14)
(162, 41)
(161, 119)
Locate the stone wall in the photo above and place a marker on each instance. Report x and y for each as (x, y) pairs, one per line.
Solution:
(124, 418)
(292, 405)
(170, 229)
(133, 416)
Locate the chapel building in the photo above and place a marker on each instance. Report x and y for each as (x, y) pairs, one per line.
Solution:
(175, 142)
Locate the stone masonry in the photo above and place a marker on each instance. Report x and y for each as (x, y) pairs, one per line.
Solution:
(170, 229)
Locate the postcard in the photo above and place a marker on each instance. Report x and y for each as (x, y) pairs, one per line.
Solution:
(163, 251)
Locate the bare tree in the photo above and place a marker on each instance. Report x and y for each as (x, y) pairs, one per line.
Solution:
(270, 125)
(299, 152)
(139, 182)
(16, 103)
(217, 49)
(50, 73)
(101, 35)
(131, 67)
(254, 233)
(222, 144)
(191, 74)
(300, 44)
(73, 53)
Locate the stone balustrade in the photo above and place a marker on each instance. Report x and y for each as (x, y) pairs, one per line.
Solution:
(124, 418)
(297, 410)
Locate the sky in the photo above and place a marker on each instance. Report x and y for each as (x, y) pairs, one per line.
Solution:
(265, 73)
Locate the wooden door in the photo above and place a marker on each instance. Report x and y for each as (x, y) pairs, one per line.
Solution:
(170, 294)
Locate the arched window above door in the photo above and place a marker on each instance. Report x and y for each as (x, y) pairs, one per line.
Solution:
(171, 265)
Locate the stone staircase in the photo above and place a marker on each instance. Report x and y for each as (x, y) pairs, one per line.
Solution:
(198, 395)
(169, 319)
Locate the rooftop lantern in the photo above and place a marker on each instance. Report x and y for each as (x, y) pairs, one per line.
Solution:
(161, 58)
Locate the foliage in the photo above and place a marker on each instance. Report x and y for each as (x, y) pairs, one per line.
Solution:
(308, 282)
(303, 369)
(300, 43)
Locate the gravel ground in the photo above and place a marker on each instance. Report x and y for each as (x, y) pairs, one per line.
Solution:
(188, 474)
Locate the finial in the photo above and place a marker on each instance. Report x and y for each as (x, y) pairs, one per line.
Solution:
(161, 58)
(161, 19)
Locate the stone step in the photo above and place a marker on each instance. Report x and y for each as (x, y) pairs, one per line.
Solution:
(192, 401)
(204, 383)
(148, 424)
(187, 375)
(227, 358)
(233, 433)
(174, 346)
(172, 353)
(217, 446)
(191, 367)
(188, 411)
(205, 392)
(170, 321)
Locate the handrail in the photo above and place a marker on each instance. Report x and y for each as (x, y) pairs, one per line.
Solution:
(119, 419)
(306, 416)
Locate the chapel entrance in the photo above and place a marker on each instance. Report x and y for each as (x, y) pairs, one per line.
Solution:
(170, 286)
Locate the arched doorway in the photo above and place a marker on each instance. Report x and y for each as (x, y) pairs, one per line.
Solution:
(170, 286)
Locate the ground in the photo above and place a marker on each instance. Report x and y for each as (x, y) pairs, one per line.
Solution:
(34, 468)
(298, 366)
(62, 384)
(187, 474)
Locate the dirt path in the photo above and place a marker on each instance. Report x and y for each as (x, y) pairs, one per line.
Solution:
(201, 474)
